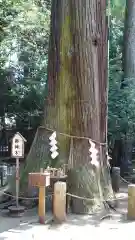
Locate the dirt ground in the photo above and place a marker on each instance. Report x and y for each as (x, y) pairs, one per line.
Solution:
(76, 226)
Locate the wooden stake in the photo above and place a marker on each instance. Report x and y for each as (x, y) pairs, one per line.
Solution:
(41, 207)
(17, 182)
(131, 201)
(59, 202)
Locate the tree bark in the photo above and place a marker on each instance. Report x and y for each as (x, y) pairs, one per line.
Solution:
(58, 113)
(77, 80)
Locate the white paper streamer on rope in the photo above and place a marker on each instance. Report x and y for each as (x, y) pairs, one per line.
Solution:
(53, 148)
(93, 154)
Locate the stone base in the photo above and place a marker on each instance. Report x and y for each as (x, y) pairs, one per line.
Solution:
(16, 211)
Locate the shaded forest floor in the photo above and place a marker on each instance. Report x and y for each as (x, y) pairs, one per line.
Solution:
(76, 226)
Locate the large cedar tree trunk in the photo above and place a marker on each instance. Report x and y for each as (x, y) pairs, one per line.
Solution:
(77, 82)
(77, 99)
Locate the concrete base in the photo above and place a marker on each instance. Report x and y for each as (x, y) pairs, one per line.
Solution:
(16, 211)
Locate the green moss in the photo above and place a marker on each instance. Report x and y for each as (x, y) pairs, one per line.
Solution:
(65, 91)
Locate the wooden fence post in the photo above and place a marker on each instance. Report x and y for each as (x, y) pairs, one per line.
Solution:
(131, 201)
(41, 207)
(59, 202)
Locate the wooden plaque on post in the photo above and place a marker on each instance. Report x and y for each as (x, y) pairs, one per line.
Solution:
(39, 179)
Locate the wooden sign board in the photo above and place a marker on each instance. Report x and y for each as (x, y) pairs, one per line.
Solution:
(39, 179)
(17, 146)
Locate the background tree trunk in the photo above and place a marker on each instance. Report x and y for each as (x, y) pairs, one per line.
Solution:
(126, 158)
(129, 77)
(129, 43)
(116, 153)
(122, 156)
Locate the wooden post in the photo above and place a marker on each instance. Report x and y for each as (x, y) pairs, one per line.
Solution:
(17, 182)
(131, 201)
(59, 203)
(116, 179)
(41, 206)
(40, 180)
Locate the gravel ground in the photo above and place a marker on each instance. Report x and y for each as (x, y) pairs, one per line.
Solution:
(76, 227)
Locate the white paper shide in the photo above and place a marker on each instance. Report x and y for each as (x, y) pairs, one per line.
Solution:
(93, 154)
(54, 148)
